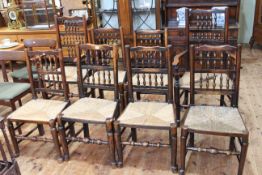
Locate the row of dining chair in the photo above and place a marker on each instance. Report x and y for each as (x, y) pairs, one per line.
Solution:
(149, 70)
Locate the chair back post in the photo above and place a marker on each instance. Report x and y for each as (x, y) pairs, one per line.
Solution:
(30, 74)
(129, 74)
(226, 27)
(79, 72)
(192, 75)
(238, 62)
(58, 37)
(170, 75)
(115, 69)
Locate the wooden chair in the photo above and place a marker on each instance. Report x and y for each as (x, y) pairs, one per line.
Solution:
(203, 27)
(69, 32)
(7, 167)
(111, 36)
(102, 60)
(11, 92)
(51, 81)
(21, 75)
(153, 69)
(150, 38)
(219, 70)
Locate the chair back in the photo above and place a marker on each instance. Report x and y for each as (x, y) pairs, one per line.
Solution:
(215, 70)
(97, 67)
(109, 36)
(150, 38)
(9, 56)
(207, 26)
(49, 68)
(149, 70)
(40, 43)
(69, 31)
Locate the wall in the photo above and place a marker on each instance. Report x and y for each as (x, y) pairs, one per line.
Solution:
(246, 20)
(71, 4)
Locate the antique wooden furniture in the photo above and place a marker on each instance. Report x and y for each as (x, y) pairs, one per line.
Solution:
(219, 66)
(51, 81)
(156, 64)
(21, 75)
(11, 92)
(257, 28)
(178, 35)
(7, 167)
(94, 58)
(150, 38)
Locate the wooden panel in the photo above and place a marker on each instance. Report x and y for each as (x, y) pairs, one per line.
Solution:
(11, 37)
(21, 38)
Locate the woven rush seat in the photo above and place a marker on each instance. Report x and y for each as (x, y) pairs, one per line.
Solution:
(121, 77)
(152, 79)
(91, 109)
(184, 81)
(71, 73)
(38, 110)
(10, 90)
(215, 119)
(148, 114)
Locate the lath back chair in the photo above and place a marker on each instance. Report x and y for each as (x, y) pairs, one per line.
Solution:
(111, 36)
(149, 70)
(102, 62)
(7, 167)
(40, 111)
(21, 75)
(203, 27)
(218, 70)
(69, 32)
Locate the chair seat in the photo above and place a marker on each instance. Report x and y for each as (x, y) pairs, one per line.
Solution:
(215, 119)
(71, 73)
(184, 81)
(148, 114)
(91, 109)
(151, 79)
(121, 77)
(22, 74)
(10, 90)
(39, 110)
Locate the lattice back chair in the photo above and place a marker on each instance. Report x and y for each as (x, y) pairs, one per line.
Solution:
(21, 75)
(149, 70)
(150, 38)
(41, 111)
(102, 62)
(207, 26)
(203, 27)
(219, 66)
(69, 32)
(111, 36)
(7, 167)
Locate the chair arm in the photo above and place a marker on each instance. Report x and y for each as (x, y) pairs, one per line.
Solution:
(177, 58)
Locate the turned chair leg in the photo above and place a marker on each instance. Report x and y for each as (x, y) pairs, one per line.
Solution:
(41, 130)
(86, 130)
(184, 134)
(117, 136)
(173, 147)
(55, 139)
(17, 123)
(62, 134)
(134, 134)
(11, 130)
(110, 137)
(243, 155)
(101, 93)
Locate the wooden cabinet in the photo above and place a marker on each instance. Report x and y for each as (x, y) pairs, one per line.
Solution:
(257, 28)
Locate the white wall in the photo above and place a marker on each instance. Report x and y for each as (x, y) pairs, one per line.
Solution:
(246, 19)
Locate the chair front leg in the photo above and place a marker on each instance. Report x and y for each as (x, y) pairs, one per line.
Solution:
(243, 154)
(110, 138)
(173, 147)
(52, 125)
(17, 123)
(117, 136)
(86, 130)
(184, 134)
(62, 134)
(11, 130)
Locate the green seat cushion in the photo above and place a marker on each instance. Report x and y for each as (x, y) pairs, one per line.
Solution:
(21, 73)
(10, 90)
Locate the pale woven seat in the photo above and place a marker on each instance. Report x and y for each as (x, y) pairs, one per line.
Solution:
(91, 109)
(148, 114)
(71, 73)
(121, 77)
(184, 81)
(40, 110)
(215, 119)
(152, 79)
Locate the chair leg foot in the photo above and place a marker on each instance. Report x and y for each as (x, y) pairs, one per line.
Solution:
(54, 133)
(110, 137)
(243, 155)
(184, 135)
(173, 147)
(13, 138)
(62, 135)
(119, 149)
